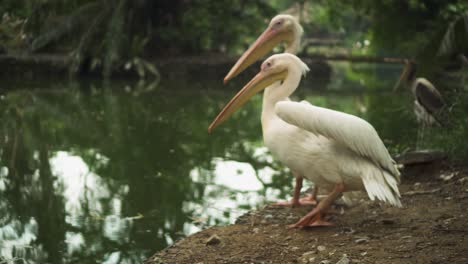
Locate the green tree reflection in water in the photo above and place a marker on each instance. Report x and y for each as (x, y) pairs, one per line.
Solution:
(102, 174)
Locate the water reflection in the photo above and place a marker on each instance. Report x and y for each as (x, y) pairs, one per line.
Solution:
(109, 173)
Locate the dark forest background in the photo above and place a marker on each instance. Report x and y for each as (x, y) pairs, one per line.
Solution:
(110, 33)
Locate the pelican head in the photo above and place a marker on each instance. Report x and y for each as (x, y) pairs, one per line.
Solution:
(282, 68)
(282, 28)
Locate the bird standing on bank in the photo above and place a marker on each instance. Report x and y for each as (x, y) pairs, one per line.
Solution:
(428, 102)
(337, 151)
(429, 106)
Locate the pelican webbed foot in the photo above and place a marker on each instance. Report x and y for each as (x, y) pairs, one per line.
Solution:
(312, 219)
(310, 199)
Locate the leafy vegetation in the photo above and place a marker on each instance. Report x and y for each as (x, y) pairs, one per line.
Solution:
(395, 27)
(106, 34)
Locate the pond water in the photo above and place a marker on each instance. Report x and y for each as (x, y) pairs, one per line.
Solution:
(111, 172)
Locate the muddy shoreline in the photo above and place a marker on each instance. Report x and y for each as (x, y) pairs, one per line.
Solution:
(430, 228)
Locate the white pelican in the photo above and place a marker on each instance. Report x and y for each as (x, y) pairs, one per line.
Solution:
(337, 151)
(282, 28)
(428, 103)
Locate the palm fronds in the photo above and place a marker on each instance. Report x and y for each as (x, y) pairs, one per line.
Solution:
(66, 26)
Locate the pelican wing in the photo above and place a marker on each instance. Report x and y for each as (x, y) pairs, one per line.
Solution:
(348, 130)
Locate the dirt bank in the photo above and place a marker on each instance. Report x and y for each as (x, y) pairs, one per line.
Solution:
(431, 228)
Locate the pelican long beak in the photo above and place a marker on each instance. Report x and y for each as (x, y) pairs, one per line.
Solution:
(257, 84)
(269, 39)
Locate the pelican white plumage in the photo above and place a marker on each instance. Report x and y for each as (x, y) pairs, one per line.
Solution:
(337, 151)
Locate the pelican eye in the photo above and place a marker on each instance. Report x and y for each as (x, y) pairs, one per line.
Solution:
(278, 23)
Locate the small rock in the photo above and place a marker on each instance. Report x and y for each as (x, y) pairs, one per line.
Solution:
(157, 260)
(463, 180)
(268, 216)
(213, 240)
(325, 262)
(305, 261)
(361, 240)
(308, 254)
(388, 222)
(344, 260)
(256, 230)
(294, 249)
(448, 177)
(364, 253)
(307, 257)
(348, 230)
(321, 248)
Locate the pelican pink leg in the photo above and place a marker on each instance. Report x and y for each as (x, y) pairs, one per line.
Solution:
(310, 199)
(315, 217)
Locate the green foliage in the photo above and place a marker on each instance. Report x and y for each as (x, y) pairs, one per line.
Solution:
(395, 27)
(12, 32)
(106, 33)
(208, 25)
(65, 26)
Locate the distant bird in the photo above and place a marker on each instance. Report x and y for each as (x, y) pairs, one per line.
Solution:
(428, 102)
(337, 151)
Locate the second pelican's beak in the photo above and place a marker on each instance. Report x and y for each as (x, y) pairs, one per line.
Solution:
(262, 46)
(257, 84)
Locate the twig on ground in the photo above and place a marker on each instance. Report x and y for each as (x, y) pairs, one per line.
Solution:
(411, 193)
